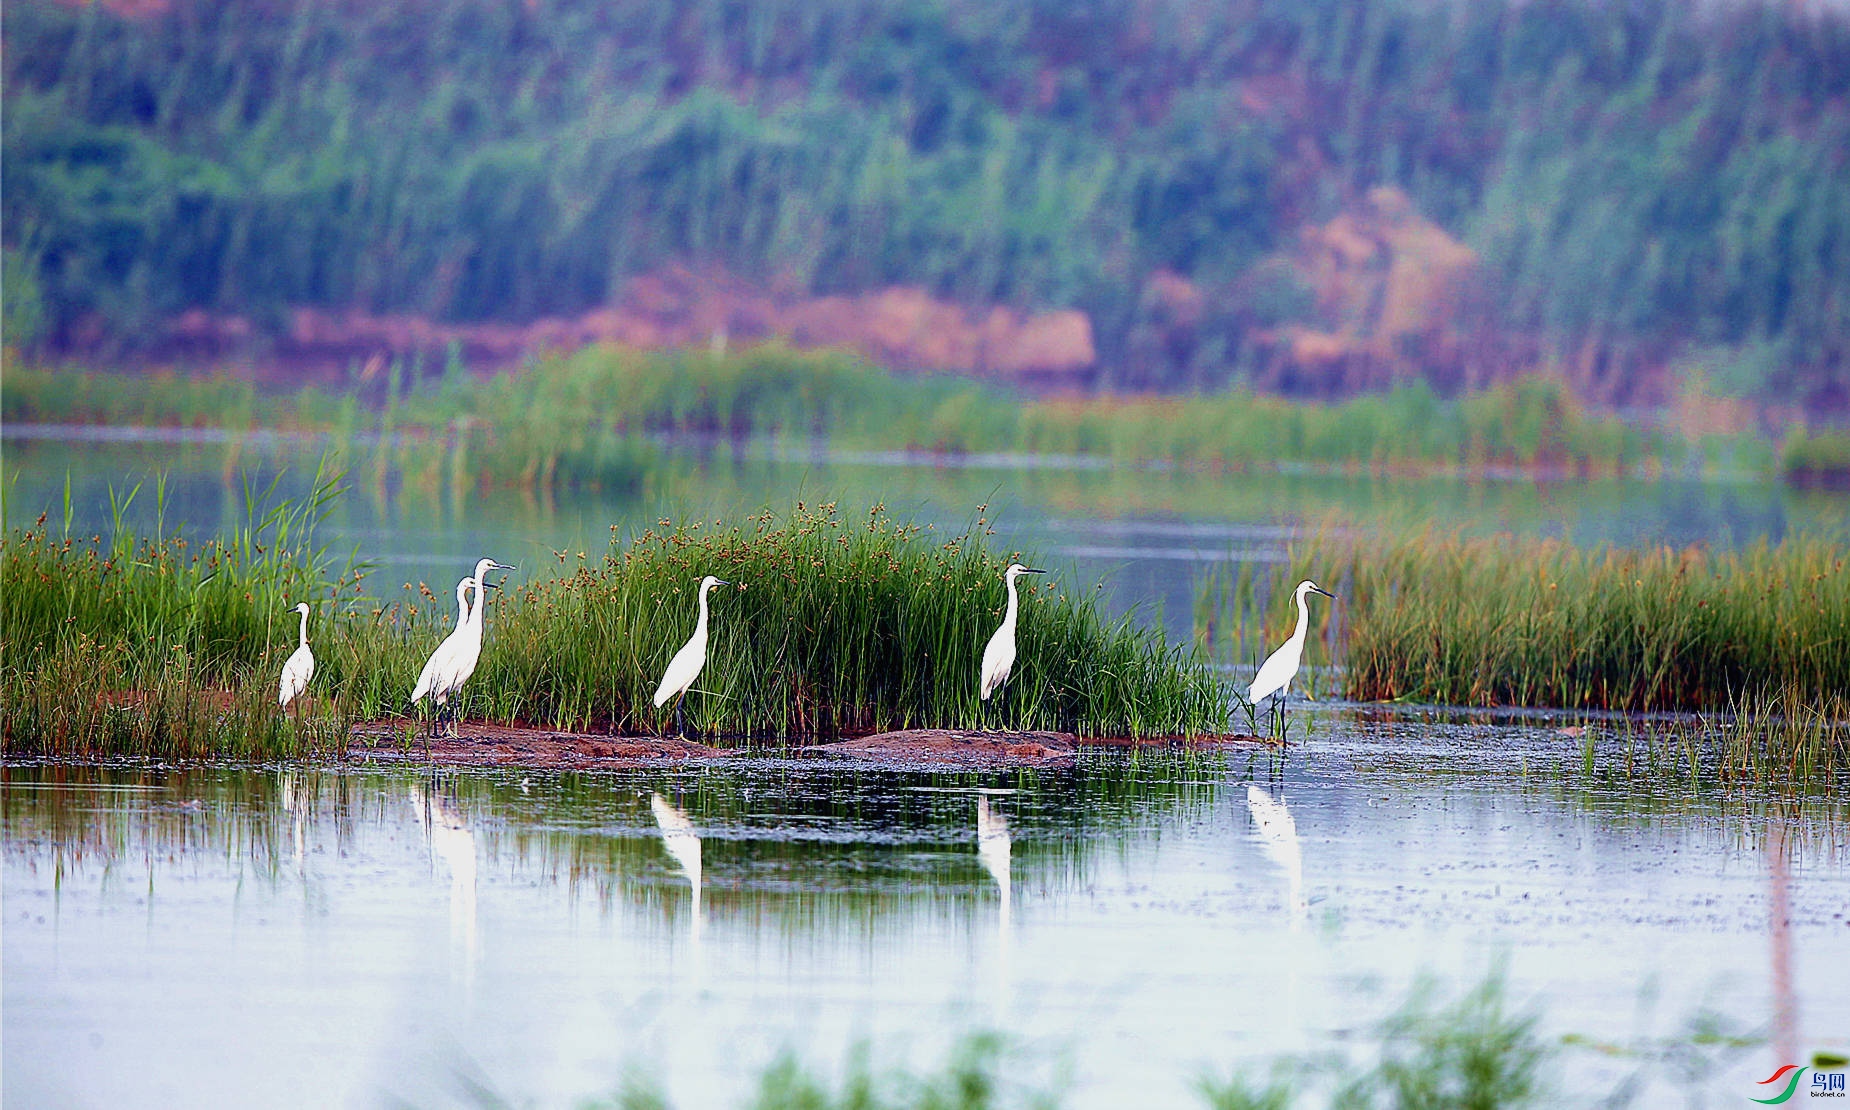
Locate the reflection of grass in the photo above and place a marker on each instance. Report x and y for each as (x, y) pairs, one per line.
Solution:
(573, 419)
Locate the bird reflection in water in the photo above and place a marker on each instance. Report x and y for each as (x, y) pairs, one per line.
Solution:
(1278, 836)
(295, 803)
(992, 847)
(453, 843)
(683, 844)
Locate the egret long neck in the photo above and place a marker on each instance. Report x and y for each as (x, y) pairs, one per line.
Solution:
(475, 611)
(1008, 620)
(1303, 619)
(700, 624)
(305, 628)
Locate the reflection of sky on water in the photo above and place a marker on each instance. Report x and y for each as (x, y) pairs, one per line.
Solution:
(1149, 535)
(161, 932)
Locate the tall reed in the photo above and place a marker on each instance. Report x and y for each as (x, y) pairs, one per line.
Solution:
(833, 626)
(137, 644)
(1439, 617)
(155, 645)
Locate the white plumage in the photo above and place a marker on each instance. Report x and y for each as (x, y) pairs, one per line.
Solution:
(685, 667)
(1276, 673)
(455, 658)
(299, 667)
(433, 679)
(999, 656)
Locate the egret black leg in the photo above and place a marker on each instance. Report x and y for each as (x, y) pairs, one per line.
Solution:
(680, 717)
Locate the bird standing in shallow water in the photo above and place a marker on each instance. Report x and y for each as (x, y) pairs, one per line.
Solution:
(999, 656)
(685, 667)
(1276, 673)
(300, 666)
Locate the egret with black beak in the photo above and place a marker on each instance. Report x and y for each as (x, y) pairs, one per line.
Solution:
(1276, 673)
(999, 656)
(685, 667)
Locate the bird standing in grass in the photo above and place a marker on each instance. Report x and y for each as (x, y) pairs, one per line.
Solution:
(300, 666)
(454, 660)
(685, 667)
(469, 647)
(999, 656)
(1276, 673)
(429, 683)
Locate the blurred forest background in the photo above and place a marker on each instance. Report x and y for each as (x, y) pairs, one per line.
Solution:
(1648, 199)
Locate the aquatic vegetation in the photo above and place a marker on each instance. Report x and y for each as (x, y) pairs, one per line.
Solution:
(583, 419)
(836, 627)
(833, 627)
(1816, 458)
(156, 645)
(1449, 619)
(1476, 1052)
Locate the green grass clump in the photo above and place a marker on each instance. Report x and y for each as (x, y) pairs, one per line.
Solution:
(1499, 621)
(1531, 423)
(1474, 1053)
(833, 627)
(154, 645)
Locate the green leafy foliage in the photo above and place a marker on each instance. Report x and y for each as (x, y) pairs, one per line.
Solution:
(1636, 178)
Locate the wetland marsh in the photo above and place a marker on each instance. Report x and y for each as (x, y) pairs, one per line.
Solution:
(1133, 922)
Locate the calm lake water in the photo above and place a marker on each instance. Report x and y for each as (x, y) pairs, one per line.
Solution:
(362, 936)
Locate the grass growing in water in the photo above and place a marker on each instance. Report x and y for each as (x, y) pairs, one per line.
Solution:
(574, 419)
(154, 646)
(833, 627)
(1499, 621)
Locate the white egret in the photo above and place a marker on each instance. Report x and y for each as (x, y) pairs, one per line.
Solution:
(431, 679)
(299, 667)
(1276, 673)
(685, 667)
(469, 647)
(999, 656)
(454, 660)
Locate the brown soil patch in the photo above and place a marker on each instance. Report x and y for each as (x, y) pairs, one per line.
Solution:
(484, 745)
(1191, 743)
(936, 749)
